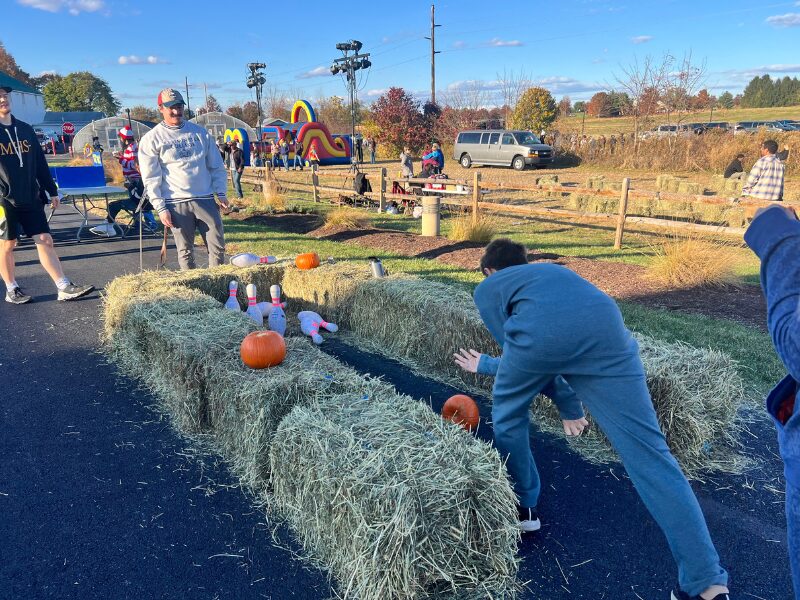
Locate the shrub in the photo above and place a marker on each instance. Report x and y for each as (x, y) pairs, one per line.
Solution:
(346, 218)
(464, 230)
(692, 261)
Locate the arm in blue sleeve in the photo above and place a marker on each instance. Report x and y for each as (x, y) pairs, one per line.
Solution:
(487, 365)
(775, 237)
(491, 309)
(565, 398)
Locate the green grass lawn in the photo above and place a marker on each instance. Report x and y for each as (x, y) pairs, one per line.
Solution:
(608, 125)
(552, 235)
(752, 348)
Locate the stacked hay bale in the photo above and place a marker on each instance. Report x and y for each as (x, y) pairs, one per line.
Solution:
(387, 494)
(405, 505)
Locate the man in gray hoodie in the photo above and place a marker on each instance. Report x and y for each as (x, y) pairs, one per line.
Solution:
(182, 170)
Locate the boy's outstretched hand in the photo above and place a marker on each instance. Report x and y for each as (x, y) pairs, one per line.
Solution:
(468, 359)
(575, 427)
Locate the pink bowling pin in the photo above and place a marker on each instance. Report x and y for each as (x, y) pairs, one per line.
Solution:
(277, 318)
(232, 303)
(252, 308)
(246, 259)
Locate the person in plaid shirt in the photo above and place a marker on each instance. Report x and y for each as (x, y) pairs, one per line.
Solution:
(765, 181)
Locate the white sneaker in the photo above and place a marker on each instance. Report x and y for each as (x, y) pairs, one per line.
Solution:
(104, 230)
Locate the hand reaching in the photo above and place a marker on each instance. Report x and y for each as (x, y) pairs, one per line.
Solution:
(575, 427)
(468, 359)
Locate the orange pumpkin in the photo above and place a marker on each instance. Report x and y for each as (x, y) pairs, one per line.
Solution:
(462, 410)
(262, 349)
(306, 261)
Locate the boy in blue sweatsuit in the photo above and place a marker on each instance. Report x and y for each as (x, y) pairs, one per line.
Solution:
(556, 329)
(774, 235)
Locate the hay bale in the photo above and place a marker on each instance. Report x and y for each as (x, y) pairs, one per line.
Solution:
(171, 344)
(689, 187)
(417, 304)
(245, 406)
(327, 289)
(399, 503)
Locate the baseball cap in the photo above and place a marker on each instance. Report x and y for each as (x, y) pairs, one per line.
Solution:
(170, 97)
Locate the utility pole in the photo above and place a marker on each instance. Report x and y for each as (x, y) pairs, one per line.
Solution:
(205, 91)
(349, 64)
(188, 110)
(434, 52)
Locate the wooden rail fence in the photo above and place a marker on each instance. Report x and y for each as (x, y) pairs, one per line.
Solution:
(470, 195)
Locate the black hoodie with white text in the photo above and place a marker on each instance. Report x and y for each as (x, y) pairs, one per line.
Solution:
(23, 166)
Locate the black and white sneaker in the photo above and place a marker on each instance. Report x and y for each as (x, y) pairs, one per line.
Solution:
(73, 291)
(529, 520)
(677, 594)
(15, 296)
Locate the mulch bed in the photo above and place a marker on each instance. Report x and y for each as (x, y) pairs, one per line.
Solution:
(743, 304)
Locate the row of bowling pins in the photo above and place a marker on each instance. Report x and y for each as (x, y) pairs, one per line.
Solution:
(310, 322)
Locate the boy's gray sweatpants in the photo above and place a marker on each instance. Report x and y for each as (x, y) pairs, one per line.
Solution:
(199, 215)
(620, 404)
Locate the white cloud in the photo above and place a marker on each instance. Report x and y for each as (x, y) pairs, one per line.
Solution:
(73, 7)
(641, 39)
(754, 71)
(498, 43)
(459, 44)
(377, 92)
(316, 72)
(784, 21)
(568, 85)
(141, 60)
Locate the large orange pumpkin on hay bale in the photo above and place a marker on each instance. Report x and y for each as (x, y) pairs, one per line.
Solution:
(462, 410)
(306, 261)
(262, 349)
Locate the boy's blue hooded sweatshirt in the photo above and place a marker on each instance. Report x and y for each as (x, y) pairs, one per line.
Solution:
(775, 237)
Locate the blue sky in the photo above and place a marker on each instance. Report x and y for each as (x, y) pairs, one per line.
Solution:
(572, 47)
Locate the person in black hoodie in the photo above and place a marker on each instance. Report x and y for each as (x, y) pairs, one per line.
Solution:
(25, 186)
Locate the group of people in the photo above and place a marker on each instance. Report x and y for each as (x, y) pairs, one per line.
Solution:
(432, 162)
(371, 145)
(765, 180)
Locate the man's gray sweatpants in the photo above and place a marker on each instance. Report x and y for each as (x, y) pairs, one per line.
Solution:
(199, 215)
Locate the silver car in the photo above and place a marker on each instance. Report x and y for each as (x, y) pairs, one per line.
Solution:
(517, 149)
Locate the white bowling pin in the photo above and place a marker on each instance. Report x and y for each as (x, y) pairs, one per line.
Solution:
(277, 318)
(252, 308)
(232, 303)
(246, 259)
(310, 322)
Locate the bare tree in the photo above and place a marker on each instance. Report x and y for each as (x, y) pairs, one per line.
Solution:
(683, 84)
(645, 83)
(511, 87)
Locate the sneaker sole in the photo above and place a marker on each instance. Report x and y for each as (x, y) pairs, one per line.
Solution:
(530, 526)
(19, 301)
(66, 298)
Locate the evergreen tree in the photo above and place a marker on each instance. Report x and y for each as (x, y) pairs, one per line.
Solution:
(725, 100)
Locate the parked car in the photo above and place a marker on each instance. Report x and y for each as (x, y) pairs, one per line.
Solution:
(717, 125)
(517, 149)
(790, 124)
(754, 126)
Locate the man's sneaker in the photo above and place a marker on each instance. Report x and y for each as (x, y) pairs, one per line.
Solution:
(15, 296)
(529, 519)
(73, 291)
(104, 230)
(677, 594)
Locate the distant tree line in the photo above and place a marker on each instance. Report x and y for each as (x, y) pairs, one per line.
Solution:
(764, 92)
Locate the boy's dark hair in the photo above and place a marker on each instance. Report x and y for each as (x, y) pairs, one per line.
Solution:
(502, 253)
(770, 146)
(740, 155)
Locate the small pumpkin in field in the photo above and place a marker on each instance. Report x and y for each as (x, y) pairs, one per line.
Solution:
(461, 410)
(306, 261)
(262, 349)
